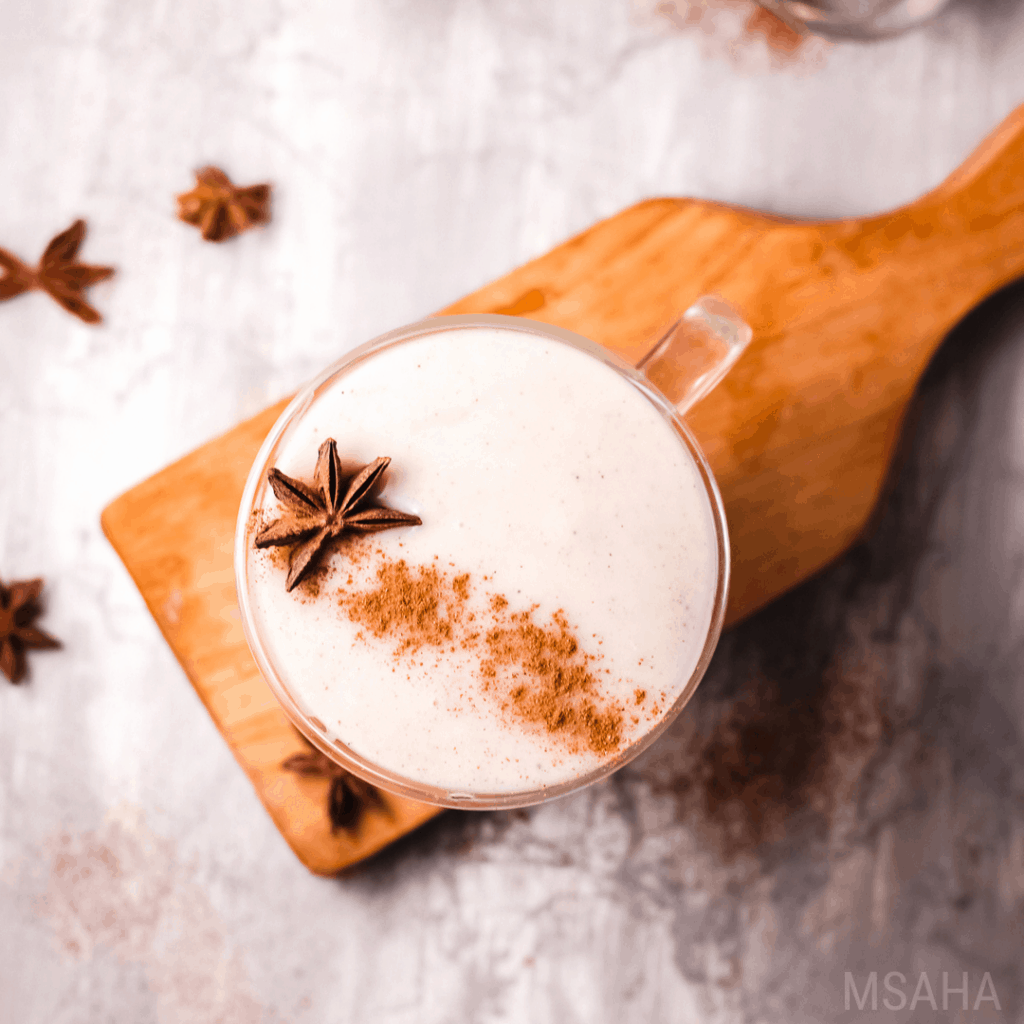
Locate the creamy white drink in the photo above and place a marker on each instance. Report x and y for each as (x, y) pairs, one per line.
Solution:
(555, 600)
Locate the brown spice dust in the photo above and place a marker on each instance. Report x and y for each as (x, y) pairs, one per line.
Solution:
(539, 673)
(558, 690)
(414, 603)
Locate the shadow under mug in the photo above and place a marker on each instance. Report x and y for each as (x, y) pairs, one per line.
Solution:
(688, 361)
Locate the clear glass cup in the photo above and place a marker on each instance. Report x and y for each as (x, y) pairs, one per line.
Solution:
(688, 361)
(855, 19)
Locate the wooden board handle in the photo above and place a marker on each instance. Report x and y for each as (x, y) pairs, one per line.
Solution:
(1001, 150)
(971, 227)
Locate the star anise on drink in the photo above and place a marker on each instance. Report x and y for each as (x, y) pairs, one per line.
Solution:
(349, 795)
(59, 274)
(313, 516)
(221, 209)
(19, 607)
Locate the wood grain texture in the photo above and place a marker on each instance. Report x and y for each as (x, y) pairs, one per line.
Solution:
(846, 315)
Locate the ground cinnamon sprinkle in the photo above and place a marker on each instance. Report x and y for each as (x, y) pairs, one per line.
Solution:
(419, 607)
(550, 682)
(540, 674)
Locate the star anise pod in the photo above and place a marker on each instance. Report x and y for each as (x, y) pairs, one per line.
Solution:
(59, 274)
(220, 209)
(315, 515)
(349, 796)
(19, 607)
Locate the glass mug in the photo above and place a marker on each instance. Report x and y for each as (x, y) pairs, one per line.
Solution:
(403, 735)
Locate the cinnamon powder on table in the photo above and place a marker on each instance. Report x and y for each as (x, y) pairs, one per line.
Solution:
(540, 674)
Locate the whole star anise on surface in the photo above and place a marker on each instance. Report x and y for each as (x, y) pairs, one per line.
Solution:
(59, 274)
(315, 515)
(19, 607)
(220, 209)
(349, 796)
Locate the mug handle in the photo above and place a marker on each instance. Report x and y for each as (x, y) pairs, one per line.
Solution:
(696, 352)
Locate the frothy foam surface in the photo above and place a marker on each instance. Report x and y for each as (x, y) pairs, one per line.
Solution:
(560, 489)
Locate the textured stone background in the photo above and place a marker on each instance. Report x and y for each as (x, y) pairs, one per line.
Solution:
(845, 793)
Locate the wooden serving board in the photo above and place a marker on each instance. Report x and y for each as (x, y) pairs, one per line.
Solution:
(846, 315)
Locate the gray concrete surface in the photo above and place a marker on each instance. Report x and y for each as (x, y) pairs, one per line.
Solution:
(872, 819)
